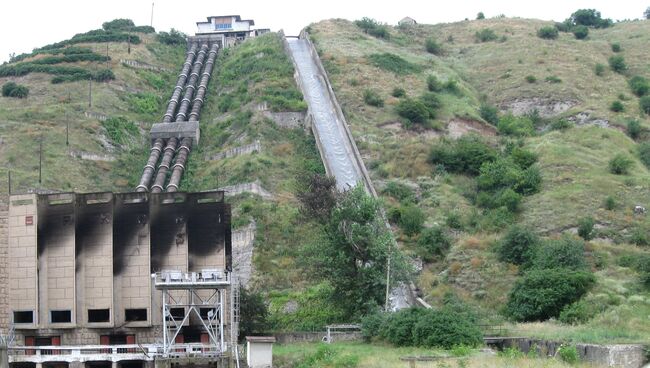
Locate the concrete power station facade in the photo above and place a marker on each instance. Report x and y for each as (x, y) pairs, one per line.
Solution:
(100, 269)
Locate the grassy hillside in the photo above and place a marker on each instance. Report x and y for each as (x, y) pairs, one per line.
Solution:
(136, 95)
(573, 161)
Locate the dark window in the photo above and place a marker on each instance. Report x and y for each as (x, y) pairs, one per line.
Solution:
(99, 315)
(177, 313)
(205, 311)
(132, 315)
(24, 317)
(61, 316)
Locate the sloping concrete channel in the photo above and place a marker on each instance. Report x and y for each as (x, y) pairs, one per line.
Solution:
(335, 142)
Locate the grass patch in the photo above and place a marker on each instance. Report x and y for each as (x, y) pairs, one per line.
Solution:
(393, 63)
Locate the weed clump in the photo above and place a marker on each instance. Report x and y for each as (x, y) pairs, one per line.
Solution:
(547, 32)
(372, 98)
(616, 106)
(639, 85)
(393, 63)
(398, 92)
(432, 46)
(11, 89)
(620, 164)
(373, 27)
(486, 35)
(617, 63)
(580, 32)
(413, 111)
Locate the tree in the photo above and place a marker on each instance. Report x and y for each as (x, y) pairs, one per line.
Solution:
(589, 18)
(518, 245)
(411, 219)
(254, 314)
(646, 13)
(480, 16)
(352, 253)
(319, 197)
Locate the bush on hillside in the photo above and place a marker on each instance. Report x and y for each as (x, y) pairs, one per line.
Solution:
(518, 126)
(639, 85)
(518, 245)
(95, 36)
(464, 155)
(633, 129)
(617, 63)
(643, 266)
(586, 227)
(547, 32)
(644, 153)
(640, 236)
(431, 102)
(403, 193)
(411, 219)
(616, 47)
(480, 16)
(118, 24)
(485, 35)
(566, 253)
(620, 164)
(503, 173)
(553, 79)
(433, 242)
(542, 294)
(319, 196)
(373, 27)
(589, 18)
(616, 106)
(393, 63)
(372, 98)
(599, 69)
(507, 198)
(644, 104)
(523, 158)
(432, 46)
(11, 89)
(398, 328)
(489, 113)
(412, 110)
(398, 92)
(119, 129)
(446, 328)
(568, 354)
(174, 37)
(433, 84)
(580, 32)
(576, 313)
(561, 124)
(531, 79)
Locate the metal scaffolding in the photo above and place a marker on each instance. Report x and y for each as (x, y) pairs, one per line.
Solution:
(193, 292)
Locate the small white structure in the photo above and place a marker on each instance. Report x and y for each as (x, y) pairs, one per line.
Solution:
(227, 29)
(407, 21)
(259, 351)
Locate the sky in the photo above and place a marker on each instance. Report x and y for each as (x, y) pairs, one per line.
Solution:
(28, 24)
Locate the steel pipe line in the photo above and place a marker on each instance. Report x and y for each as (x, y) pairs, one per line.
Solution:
(180, 83)
(161, 176)
(191, 85)
(150, 167)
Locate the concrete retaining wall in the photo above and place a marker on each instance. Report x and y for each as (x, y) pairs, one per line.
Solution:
(294, 337)
(254, 187)
(92, 156)
(4, 238)
(139, 65)
(629, 356)
(241, 150)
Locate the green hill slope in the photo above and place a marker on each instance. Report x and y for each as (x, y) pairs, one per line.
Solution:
(573, 162)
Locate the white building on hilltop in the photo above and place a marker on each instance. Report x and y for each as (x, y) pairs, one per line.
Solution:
(228, 29)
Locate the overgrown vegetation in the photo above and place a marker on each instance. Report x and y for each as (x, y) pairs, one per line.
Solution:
(120, 130)
(373, 27)
(393, 63)
(547, 32)
(11, 89)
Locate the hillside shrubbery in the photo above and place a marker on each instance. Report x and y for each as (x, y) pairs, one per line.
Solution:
(548, 33)
(11, 89)
(373, 27)
(464, 155)
(393, 63)
(173, 37)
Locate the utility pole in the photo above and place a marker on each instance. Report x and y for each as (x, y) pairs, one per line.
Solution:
(40, 160)
(90, 91)
(129, 49)
(9, 180)
(107, 54)
(151, 14)
(67, 130)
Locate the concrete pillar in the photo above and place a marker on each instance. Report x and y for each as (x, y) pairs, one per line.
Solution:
(4, 357)
(162, 363)
(113, 365)
(39, 365)
(149, 364)
(76, 365)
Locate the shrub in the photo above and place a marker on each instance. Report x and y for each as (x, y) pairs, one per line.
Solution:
(523, 158)
(507, 198)
(616, 106)
(454, 221)
(451, 86)
(531, 79)
(589, 18)
(119, 129)
(586, 227)
(318, 197)
(639, 85)
(489, 113)
(616, 47)
(254, 313)
(399, 191)
(174, 37)
(580, 32)
(633, 128)
(503, 173)
(431, 102)
(547, 32)
(519, 126)
(464, 155)
(599, 69)
(433, 84)
(542, 294)
(617, 63)
(640, 237)
(644, 153)
(104, 75)
(412, 110)
(398, 329)
(11, 89)
(480, 16)
(446, 328)
(432, 46)
(393, 63)
(118, 24)
(620, 164)
(373, 27)
(518, 245)
(371, 325)
(433, 242)
(411, 219)
(372, 98)
(144, 103)
(646, 13)
(576, 313)
(553, 79)
(643, 266)
(561, 124)
(485, 35)
(398, 92)
(609, 203)
(644, 104)
(565, 253)
(568, 354)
